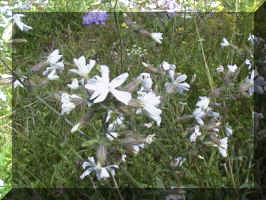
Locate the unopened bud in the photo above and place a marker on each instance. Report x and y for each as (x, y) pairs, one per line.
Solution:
(101, 154)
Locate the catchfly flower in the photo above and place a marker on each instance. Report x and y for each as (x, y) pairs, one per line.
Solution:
(149, 102)
(224, 43)
(157, 37)
(95, 17)
(101, 86)
(83, 69)
(101, 172)
(177, 85)
(53, 61)
(67, 104)
(19, 23)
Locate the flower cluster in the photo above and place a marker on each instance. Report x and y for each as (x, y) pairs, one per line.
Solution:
(95, 17)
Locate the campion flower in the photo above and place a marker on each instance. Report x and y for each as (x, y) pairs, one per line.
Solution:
(220, 68)
(146, 82)
(248, 63)
(195, 134)
(222, 147)
(178, 85)
(101, 86)
(53, 61)
(101, 172)
(149, 138)
(94, 18)
(198, 114)
(170, 68)
(74, 84)
(157, 37)
(53, 75)
(232, 68)
(2, 96)
(83, 69)
(67, 104)
(224, 43)
(203, 102)
(149, 102)
(19, 23)
(228, 130)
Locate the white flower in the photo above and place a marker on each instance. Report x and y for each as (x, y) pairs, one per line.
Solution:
(224, 43)
(111, 135)
(232, 68)
(165, 65)
(148, 125)
(102, 86)
(228, 130)
(54, 57)
(19, 23)
(149, 138)
(248, 63)
(2, 96)
(178, 84)
(146, 81)
(101, 172)
(75, 128)
(251, 37)
(178, 162)
(136, 147)
(203, 102)
(83, 69)
(157, 37)
(149, 103)
(220, 68)
(53, 61)
(198, 114)
(195, 134)
(67, 105)
(1, 183)
(250, 82)
(123, 157)
(18, 83)
(74, 84)
(223, 146)
(53, 75)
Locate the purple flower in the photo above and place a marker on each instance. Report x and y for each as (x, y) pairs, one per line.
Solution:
(94, 18)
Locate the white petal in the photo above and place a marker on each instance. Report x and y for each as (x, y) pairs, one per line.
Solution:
(105, 73)
(101, 97)
(122, 96)
(86, 173)
(102, 173)
(119, 80)
(181, 78)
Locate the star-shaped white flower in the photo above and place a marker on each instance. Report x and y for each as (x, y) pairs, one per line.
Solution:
(19, 23)
(224, 43)
(67, 104)
(178, 84)
(101, 86)
(150, 102)
(195, 134)
(53, 61)
(203, 102)
(232, 68)
(83, 68)
(157, 37)
(101, 172)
